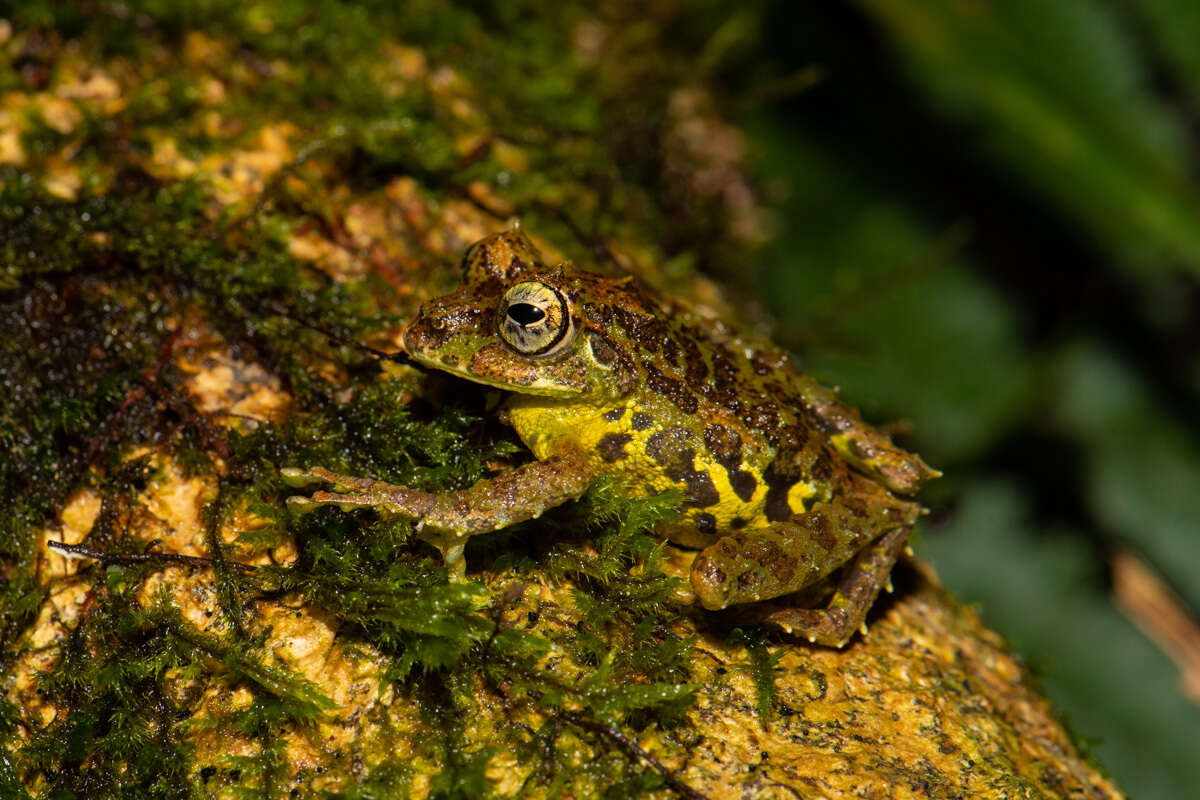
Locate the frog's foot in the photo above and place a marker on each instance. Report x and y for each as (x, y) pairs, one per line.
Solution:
(836, 623)
(349, 493)
(386, 498)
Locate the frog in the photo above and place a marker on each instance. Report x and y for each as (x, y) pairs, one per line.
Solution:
(784, 488)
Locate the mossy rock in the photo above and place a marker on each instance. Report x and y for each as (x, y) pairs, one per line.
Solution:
(214, 222)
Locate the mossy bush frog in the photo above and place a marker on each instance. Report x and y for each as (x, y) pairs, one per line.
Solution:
(784, 485)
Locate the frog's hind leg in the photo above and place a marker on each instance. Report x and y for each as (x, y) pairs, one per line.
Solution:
(861, 532)
(856, 592)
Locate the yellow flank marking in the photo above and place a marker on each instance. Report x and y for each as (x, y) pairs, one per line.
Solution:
(798, 494)
(730, 505)
(544, 427)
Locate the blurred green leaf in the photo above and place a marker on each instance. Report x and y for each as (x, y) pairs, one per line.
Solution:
(877, 302)
(1056, 93)
(1142, 473)
(1175, 28)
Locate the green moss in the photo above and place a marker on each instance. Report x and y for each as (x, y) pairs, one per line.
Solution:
(761, 666)
(96, 291)
(115, 732)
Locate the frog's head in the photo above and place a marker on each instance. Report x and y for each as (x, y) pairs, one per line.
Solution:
(521, 326)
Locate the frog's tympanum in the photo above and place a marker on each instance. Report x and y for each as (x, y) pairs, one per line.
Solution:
(784, 486)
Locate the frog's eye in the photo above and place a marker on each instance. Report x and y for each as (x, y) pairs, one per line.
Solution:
(535, 319)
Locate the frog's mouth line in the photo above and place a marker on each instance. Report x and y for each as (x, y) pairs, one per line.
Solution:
(537, 386)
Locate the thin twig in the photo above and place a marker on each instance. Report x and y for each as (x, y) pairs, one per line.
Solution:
(79, 551)
(1161, 615)
(279, 309)
(633, 748)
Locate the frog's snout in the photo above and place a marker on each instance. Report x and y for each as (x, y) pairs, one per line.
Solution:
(425, 334)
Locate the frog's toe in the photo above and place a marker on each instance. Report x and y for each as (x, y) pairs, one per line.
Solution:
(301, 505)
(296, 478)
(299, 478)
(346, 502)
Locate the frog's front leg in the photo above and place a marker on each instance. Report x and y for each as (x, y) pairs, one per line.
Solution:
(447, 519)
(863, 446)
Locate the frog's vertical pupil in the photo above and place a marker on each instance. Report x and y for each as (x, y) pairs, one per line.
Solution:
(525, 314)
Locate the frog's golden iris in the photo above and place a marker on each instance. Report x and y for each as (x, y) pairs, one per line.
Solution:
(784, 487)
(535, 319)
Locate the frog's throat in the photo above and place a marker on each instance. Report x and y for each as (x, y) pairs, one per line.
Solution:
(540, 387)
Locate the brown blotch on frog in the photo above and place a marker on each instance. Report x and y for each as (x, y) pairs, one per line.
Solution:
(612, 446)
